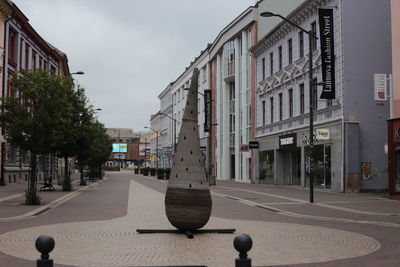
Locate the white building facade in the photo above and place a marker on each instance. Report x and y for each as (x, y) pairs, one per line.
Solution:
(232, 69)
(179, 95)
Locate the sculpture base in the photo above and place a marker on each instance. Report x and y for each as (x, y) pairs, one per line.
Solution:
(188, 209)
(189, 234)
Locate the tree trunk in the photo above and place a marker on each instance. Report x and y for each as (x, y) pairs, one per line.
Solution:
(100, 172)
(67, 180)
(31, 197)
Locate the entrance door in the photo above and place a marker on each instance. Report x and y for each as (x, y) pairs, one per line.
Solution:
(322, 166)
(327, 166)
(397, 169)
(232, 166)
(296, 166)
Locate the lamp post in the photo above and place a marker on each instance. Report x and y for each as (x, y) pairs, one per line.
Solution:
(311, 37)
(156, 144)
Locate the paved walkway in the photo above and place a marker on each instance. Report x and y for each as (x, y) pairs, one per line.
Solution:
(114, 242)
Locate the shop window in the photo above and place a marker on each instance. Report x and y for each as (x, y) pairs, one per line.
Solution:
(266, 169)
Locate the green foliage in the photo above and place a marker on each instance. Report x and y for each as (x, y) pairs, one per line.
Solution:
(32, 117)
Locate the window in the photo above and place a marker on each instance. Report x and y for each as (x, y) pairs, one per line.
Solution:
(314, 40)
(280, 107)
(290, 51)
(301, 88)
(33, 60)
(290, 103)
(315, 93)
(12, 47)
(280, 57)
(271, 100)
(263, 68)
(26, 57)
(301, 44)
(271, 62)
(263, 112)
(204, 72)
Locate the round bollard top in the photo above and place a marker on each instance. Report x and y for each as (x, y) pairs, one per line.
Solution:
(243, 243)
(45, 244)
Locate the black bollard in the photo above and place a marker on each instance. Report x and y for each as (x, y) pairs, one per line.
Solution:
(243, 244)
(44, 244)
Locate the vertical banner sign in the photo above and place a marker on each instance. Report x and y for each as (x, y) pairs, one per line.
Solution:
(207, 110)
(327, 52)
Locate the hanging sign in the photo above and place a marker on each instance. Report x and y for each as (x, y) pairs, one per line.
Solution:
(287, 141)
(207, 110)
(323, 134)
(327, 52)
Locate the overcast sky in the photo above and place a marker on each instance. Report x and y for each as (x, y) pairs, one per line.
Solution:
(130, 50)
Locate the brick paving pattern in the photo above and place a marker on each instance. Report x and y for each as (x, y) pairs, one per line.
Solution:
(114, 242)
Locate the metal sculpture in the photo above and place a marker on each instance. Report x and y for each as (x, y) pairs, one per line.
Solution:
(188, 200)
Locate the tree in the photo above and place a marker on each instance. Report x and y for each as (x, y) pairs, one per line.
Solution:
(33, 111)
(95, 147)
(71, 130)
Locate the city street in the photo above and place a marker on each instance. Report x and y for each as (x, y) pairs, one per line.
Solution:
(96, 226)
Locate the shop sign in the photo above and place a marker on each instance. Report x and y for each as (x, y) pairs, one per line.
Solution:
(287, 141)
(323, 134)
(380, 86)
(366, 170)
(244, 148)
(254, 145)
(327, 52)
(305, 139)
(207, 110)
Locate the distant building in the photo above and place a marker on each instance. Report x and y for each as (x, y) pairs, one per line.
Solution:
(129, 148)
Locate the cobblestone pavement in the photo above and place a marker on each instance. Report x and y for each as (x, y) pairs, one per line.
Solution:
(106, 236)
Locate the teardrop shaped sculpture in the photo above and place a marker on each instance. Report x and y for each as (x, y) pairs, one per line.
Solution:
(188, 200)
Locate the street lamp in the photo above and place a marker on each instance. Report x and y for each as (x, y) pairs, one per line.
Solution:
(175, 121)
(311, 37)
(156, 144)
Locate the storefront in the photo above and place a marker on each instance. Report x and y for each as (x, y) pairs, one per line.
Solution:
(394, 158)
(284, 159)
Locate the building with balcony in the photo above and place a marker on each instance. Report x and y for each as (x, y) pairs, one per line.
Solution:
(350, 130)
(129, 148)
(232, 71)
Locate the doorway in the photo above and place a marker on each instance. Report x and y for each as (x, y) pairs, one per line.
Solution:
(232, 166)
(322, 166)
(397, 169)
